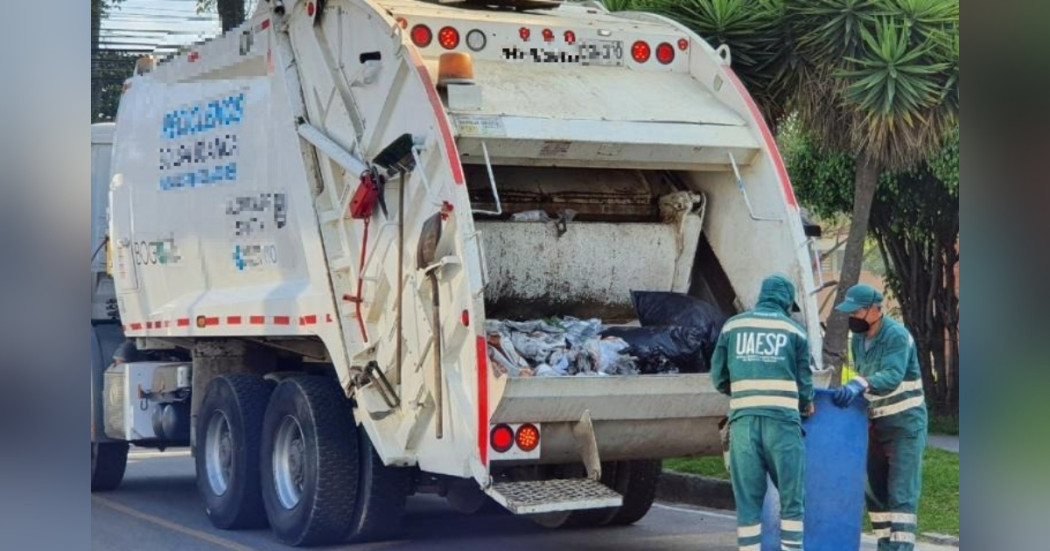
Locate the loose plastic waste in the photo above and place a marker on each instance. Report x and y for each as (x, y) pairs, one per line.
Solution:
(556, 347)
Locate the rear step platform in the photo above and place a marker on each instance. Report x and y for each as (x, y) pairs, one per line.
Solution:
(545, 496)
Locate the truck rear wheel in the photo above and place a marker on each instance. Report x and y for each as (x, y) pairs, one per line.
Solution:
(229, 429)
(381, 494)
(309, 461)
(108, 461)
(636, 481)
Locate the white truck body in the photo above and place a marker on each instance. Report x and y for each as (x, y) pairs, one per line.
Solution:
(234, 166)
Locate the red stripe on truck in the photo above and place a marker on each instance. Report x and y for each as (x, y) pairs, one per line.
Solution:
(439, 112)
(767, 136)
(483, 400)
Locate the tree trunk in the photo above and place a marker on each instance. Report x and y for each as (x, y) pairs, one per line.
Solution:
(231, 13)
(865, 183)
(96, 82)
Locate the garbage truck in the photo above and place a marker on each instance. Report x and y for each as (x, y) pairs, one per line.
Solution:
(304, 225)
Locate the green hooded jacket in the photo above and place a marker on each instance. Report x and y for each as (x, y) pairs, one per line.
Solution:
(762, 358)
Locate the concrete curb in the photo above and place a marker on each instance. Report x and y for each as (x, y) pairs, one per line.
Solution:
(938, 539)
(695, 490)
(716, 493)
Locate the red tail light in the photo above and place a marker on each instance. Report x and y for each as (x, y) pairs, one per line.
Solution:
(502, 438)
(548, 35)
(683, 44)
(421, 36)
(448, 38)
(528, 437)
(640, 51)
(524, 33)
(665, 53)
(570, 37)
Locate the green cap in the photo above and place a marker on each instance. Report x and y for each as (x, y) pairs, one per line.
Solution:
(860, 296)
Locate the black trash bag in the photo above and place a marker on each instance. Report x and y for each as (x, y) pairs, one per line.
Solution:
(664, 308)
(664, 349)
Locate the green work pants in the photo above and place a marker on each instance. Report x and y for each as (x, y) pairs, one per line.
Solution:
(760, 447)
(894, 482)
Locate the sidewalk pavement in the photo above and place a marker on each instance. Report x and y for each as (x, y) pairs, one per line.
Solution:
(944, 442)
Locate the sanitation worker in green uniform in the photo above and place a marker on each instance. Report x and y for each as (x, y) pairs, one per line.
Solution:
(887, 364)
(761, 361)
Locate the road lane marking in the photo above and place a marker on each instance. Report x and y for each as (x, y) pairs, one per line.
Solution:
(210, 538)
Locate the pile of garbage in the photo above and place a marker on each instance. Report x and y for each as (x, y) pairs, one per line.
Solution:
(677, 335)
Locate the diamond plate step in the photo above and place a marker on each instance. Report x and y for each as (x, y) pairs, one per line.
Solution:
(545, 496)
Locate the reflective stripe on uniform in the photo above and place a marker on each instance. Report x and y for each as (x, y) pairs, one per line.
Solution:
(899, 518)
(757, 323)
(898, 407)
(749, 531)
(882, 533)
(902, 537)
(905, 386)
(754, 547)
(763, 402)
(763, 384)
(791, 525)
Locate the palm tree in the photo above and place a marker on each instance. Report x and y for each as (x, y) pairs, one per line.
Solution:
(885, 89)
(877, 79)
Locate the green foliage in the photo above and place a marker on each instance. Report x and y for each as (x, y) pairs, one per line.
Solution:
(113, 68)
(713, 467)
(830, 30)
(823, 180)
(886, 79)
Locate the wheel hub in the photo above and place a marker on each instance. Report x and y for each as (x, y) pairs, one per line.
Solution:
(218, 450)
(289, 463)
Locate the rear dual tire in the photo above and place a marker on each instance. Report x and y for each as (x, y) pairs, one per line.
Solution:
(322, 481)
(108, 461)
(229, 431)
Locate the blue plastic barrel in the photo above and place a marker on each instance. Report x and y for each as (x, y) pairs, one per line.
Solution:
(836, 456)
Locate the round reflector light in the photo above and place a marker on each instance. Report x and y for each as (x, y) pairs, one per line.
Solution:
(502, 438)
(640, 51)
(524, 33)
(683, 44)
(421, 36)
(570, 37)
(665, 53)
(310, 9)
(476, 40)
(548, 35)
(448, 38)
(402, 22)
(528, 437)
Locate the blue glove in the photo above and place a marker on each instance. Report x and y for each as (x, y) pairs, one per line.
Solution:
(845, 394)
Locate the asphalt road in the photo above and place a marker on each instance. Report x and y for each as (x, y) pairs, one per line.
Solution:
(157, 508)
